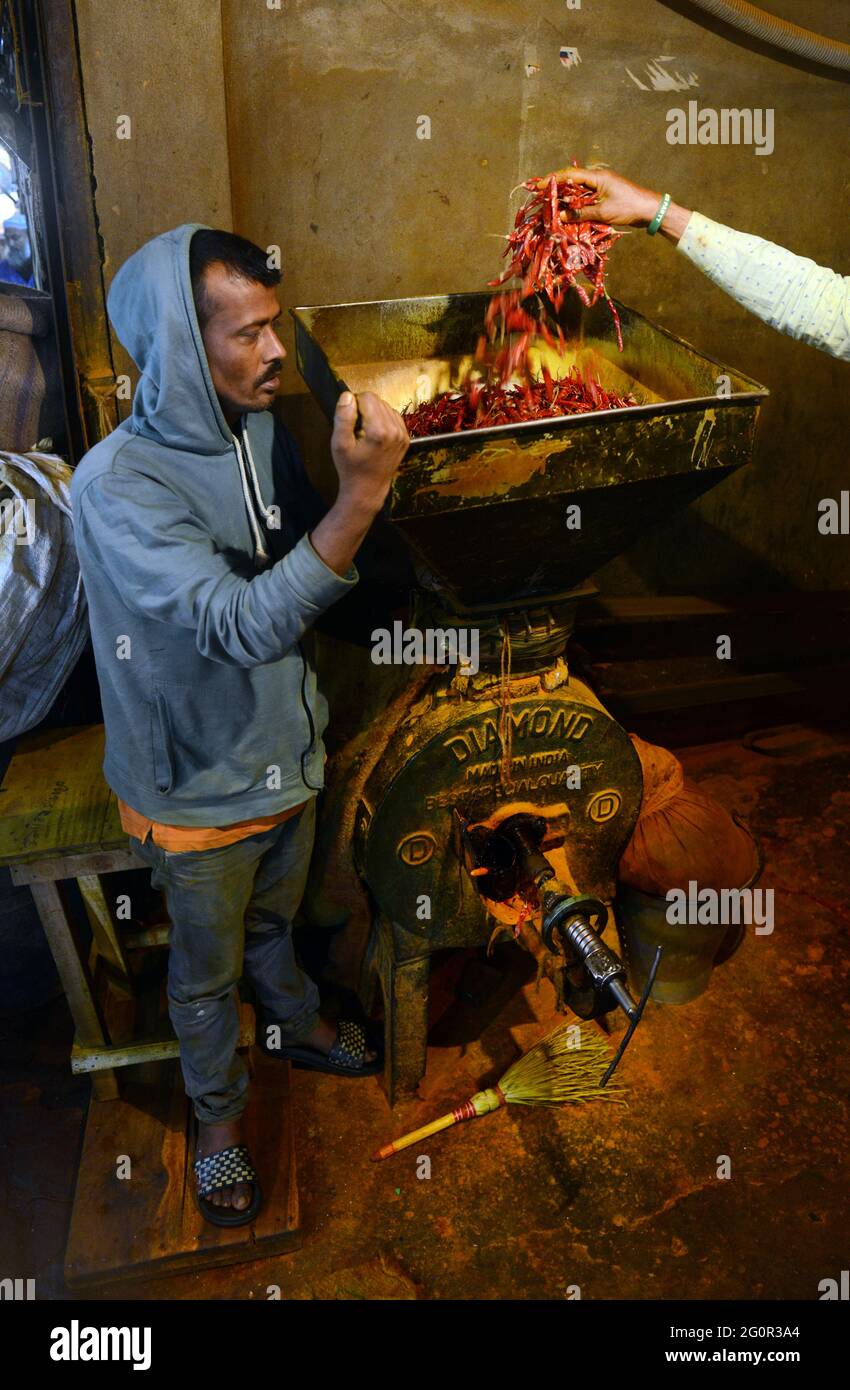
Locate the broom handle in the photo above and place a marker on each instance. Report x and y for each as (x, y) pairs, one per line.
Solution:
(444, 1122)
(479, 1104)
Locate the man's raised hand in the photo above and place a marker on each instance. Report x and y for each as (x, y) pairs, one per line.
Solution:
(367, 461)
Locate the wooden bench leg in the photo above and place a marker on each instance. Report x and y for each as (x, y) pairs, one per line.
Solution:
(75, 980)
(100, 917)
(118, 1002)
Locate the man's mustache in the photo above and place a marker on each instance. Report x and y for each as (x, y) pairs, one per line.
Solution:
(273, 371)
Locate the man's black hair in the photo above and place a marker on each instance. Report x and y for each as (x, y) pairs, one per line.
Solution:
(240, 256)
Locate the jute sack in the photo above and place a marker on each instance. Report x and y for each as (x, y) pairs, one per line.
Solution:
(682, 834)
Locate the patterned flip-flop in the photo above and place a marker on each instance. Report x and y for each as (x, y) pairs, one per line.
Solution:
(346, 1057)
(223, 1169)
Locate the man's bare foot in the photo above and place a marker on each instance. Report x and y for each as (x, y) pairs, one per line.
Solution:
(323, 1038)
(211, 1140)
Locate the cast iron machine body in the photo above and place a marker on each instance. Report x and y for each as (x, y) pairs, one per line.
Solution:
(445, 763)
(509, 862)
(519, 759)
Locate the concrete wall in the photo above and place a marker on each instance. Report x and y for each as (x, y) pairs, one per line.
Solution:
(160, 63)
(317, 151)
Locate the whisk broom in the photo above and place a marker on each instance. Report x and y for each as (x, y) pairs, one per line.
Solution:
(552, 1072)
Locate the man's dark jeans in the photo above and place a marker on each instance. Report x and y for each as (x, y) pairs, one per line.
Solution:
(231, 914)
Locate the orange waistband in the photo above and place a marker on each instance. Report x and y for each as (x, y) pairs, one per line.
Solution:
(180, 838)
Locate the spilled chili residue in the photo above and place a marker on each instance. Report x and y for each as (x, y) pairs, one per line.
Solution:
(550, 253)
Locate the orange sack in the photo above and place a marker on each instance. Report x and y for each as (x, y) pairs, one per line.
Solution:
(682, 834)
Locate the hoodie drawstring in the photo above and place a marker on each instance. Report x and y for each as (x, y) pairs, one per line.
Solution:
(268, 513)
(261, 555)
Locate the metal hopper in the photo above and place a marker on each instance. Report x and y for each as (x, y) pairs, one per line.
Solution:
(486, 510)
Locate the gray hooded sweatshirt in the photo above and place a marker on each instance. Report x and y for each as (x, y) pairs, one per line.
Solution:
(198, 601)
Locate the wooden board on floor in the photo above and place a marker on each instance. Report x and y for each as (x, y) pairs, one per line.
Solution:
(147, 1225)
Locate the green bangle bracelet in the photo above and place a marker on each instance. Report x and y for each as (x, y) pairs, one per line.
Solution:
(660, 215)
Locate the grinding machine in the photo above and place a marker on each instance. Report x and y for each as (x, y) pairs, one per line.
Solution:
(504, 799)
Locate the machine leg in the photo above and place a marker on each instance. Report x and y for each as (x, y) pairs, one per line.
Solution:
(405, 991)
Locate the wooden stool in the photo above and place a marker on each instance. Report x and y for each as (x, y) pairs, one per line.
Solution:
(59, 820)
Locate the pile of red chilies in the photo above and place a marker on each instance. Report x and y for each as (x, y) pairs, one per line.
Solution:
(479, 406)
(549, 252)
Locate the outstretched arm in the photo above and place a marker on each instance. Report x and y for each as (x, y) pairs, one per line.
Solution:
(790, 293)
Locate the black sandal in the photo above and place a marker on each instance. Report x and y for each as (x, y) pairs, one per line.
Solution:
(223, 1169)
(346, 1057)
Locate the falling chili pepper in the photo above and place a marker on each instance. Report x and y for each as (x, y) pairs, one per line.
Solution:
(550, 253)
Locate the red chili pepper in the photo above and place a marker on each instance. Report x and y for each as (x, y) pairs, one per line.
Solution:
(483, 405)
(549, 254)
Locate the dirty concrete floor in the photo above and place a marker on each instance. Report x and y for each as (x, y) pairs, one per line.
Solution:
(624, 1203)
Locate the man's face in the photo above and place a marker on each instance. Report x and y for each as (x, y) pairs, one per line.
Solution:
(243, 350)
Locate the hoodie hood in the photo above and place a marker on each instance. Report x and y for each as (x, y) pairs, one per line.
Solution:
(152, 310)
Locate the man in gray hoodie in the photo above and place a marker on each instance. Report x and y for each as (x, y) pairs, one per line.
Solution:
(206, 559)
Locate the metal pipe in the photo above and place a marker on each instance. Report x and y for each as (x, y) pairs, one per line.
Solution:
(623, 998)
(804, 43)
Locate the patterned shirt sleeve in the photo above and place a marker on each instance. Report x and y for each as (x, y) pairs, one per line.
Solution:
(789, 292)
